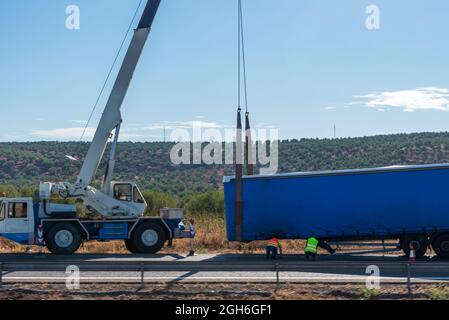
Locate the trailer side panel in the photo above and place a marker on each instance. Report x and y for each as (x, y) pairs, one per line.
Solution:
(342, 204)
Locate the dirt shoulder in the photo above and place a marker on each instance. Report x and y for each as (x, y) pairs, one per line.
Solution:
(220, 292)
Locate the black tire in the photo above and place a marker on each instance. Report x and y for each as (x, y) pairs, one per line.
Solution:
(130, 247)
(148, 238)
(420, 242)
(440, 244)
(63, 238)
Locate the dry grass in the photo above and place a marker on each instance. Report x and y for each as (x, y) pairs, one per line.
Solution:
(210, 238)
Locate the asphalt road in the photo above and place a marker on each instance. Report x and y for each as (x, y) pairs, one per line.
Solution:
(32, 268)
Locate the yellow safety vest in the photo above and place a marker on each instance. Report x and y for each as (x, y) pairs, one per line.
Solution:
(312, 245)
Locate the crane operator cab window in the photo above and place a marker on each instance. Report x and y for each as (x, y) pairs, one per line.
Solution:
(128, 192)
(123, 192)
(17, 210)
(138, 198)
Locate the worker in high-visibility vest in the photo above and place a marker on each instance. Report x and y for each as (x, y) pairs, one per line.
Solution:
(311, 249)
(272, 248)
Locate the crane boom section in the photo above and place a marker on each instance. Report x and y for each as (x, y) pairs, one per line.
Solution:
(111, 117)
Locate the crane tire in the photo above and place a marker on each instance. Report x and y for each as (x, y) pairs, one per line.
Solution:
(130, 246)
(148, 238)
(440, 244)
(63, 238)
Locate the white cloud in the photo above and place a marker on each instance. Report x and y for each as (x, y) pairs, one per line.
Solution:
(173, 125)
(330, 108)
(64, 133)
(137, 136)
(82, 122)
(39, 119)
(429, 98)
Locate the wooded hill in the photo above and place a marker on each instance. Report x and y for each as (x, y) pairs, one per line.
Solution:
(149, 163)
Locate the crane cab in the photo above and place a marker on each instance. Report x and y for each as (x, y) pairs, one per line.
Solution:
(128, 192)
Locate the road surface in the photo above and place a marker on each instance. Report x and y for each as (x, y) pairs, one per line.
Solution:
(229, 268)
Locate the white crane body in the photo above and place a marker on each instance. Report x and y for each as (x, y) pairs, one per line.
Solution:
(121, 204)
(108, 201)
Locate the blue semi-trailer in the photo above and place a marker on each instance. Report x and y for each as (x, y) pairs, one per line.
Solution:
(409, 203)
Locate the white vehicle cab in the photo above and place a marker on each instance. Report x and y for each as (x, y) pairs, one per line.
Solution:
(17, 219)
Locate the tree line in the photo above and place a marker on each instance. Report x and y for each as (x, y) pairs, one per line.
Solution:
(148, 164)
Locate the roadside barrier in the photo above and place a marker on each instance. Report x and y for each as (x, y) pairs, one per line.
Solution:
(1, 275)
(409, 279)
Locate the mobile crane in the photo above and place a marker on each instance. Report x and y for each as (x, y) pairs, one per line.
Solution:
(120, 204)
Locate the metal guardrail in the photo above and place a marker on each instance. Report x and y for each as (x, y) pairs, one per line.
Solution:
(392, 272)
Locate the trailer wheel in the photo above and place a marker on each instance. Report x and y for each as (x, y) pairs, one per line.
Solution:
(441, 246)
(148, 238)
(63, 238)
(420, 243)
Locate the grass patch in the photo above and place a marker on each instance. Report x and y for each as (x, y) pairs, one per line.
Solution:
(438, 293)
(210, 238)
(369, 294)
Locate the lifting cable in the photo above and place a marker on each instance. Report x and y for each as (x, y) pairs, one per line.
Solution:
(248, 145)
(110, 70)
(242, 71)
(242, 58)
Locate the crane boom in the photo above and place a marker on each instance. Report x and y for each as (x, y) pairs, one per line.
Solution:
(111, 118)
(117, 199)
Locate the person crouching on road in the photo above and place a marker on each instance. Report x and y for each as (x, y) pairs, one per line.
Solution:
(192, 238)
(272, 248)
(311, 249)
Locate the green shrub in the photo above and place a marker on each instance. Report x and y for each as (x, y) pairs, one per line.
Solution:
(369, 294)
(157, 200)
(438, 293)
(211, 202)
(10, 191)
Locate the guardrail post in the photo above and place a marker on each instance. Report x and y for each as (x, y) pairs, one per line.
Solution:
(409, 280)
(277, 276)
(142, 276)
(1, 275)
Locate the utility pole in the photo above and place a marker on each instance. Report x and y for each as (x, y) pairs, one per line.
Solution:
(335, 131)
(165, 140)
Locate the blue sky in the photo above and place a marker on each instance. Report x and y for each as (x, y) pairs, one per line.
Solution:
(311, 63)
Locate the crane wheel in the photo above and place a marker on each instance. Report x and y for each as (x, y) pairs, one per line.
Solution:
(130, 247)
(148, 238)
(63, 238)
(440, 244)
